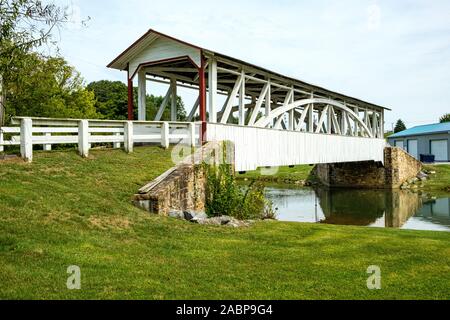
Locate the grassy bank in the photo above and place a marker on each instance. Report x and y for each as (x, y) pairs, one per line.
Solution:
(294, 174)
(62, 210)
(440, 180)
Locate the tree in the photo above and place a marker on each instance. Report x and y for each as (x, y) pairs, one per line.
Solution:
(25, 25)
(48, 87)
(111, 98)
(112, 102)
(445, 118)
(399, 126)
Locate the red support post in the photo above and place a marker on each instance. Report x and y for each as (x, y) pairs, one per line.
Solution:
(202, 99)
(130, 97)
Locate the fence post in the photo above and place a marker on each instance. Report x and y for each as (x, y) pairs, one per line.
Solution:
(165, 135)
(47, 147)
(26, 139)
(1, 140)
(191, 134)
(83, 138)
(116, 145)
(128, 136)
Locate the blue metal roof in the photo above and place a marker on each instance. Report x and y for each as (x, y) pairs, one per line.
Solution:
(425, 129)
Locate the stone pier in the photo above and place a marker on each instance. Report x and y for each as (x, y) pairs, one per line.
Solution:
(182, 188)
(397, 168)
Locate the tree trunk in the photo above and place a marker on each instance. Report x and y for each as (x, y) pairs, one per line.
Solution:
(2, 102)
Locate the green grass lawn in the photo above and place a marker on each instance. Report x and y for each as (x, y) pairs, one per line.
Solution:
(63, 210)
(282, 174)
(440, 180)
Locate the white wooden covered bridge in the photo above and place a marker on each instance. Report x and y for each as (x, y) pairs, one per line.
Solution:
(272, 119)
(280, 120)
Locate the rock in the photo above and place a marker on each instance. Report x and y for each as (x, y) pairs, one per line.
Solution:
(235, 223)
(225, 219)
(200, 221)
(211, 221)
(222, 221)
(178, 214)
(188, 216)
(421, 175)
(200, 216)
(194, 215)
(405, 185)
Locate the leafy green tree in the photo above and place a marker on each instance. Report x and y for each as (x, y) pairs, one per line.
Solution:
(111, 98)
(112, 101)
(399, 126)
(48, 87)
(24, 25)
(445, 118)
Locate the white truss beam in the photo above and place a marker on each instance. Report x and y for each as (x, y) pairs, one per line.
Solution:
(241, 112)
(258, 104)
(194, 110)
(173, 107)
(229, 105)
(163, 105)
(323, 116)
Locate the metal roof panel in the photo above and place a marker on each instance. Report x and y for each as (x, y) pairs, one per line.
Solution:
(424, 129)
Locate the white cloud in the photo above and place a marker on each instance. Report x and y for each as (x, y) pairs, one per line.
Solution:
(373, 17)
(379, 51)
(74, 16)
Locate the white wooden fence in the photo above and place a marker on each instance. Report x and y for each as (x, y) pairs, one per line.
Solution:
(261, 147)
(84, 133)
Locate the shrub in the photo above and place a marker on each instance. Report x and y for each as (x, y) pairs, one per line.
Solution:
(225, 197)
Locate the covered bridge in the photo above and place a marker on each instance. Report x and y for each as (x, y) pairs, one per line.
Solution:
(265, 99)
(272, 119)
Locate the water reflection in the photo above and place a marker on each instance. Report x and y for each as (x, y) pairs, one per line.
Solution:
(377, 208)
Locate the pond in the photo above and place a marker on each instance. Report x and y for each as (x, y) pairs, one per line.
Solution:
(375, 208)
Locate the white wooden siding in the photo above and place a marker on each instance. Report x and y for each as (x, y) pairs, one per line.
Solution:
(161, 49)
(259, 147)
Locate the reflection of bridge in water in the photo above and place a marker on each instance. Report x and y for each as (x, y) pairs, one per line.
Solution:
(381, 208)
(367, 207)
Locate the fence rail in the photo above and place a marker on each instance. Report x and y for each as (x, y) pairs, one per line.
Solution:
(84, 133)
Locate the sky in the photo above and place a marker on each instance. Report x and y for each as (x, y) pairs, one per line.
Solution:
(392, 53)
